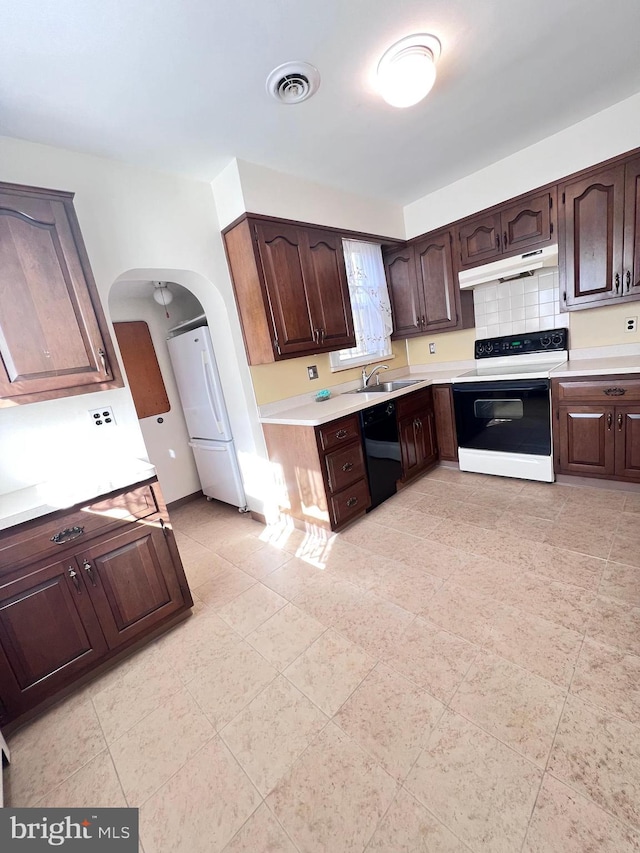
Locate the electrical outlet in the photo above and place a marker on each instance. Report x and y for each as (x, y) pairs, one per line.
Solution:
(103, 416)
(631, 324)
(432, 349)
(312, 370)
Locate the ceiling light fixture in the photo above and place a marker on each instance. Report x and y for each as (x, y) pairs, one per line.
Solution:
(407, 71)
(162, 294)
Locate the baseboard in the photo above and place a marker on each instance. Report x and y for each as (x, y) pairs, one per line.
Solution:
(185, 500)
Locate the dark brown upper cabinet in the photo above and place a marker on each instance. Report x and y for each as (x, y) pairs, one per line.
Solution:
(291, 289)
(600, 237)
(54, 340)
(512, 229)
(423, 287)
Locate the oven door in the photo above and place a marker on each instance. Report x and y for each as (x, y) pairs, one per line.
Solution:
(504, 416)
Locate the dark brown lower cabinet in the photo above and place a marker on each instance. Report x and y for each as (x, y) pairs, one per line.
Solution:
(62, 617)
(417, 432)
(445, 422)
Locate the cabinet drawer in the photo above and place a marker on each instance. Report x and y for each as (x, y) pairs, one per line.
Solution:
(614, 390)
(345, 466)
(349, 502)
(340, 432)
(34, 539)
(417, 402)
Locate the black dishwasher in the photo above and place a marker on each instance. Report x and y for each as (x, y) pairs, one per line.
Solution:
(382, 450)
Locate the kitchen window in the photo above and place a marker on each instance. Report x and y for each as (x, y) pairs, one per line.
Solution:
(370, 305)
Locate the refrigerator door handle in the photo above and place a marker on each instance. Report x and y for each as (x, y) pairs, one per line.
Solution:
(215, 447)
(207, 385)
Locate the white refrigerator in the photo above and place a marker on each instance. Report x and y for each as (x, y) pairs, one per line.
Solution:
(196, 373)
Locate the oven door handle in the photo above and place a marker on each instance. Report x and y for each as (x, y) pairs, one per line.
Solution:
(502, 386)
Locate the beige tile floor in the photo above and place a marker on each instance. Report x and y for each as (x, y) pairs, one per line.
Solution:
(458, 671)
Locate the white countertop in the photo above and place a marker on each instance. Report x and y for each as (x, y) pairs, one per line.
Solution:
(305, 411)
(65, 490)
(598, 366)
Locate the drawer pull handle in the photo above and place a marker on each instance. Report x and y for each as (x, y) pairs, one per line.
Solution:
(609, 421)
(342, 433)
(86, 565)
(617, 280)
(628, 279)
(352, 502)
(74, 577)
(615, 392)
(620, 422)
(67, 535)
(348, 466)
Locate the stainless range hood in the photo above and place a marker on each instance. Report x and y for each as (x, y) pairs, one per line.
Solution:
(509, 268)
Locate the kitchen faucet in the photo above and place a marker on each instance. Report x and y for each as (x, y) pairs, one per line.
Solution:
(366, 379)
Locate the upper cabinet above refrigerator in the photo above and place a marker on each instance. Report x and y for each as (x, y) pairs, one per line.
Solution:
(54, 340)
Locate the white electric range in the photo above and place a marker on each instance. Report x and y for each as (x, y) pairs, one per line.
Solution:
(503, 406)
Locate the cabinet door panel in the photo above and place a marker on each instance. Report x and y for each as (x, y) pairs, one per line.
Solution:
(49, 633)
(480, 240)
(528, 224)
(49, 334)
(591, 264)
(290, 300)
(586, 440)
(434, 264)
(428, 439)
(409, 446)
(132, 582)
(631, 277)
(628, 443)
(406, 301)
(445, 422)
(331, 307)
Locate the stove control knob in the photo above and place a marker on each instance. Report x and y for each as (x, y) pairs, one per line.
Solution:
(489, 347)
(545, 341)
(556, 339)
(479, 349)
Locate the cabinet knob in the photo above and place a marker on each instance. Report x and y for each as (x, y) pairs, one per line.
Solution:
(348, 466)
(352, 502)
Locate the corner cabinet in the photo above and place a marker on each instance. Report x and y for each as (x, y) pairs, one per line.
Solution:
(291, 289)
(78, 588)
(597, 427)
(423, 288)
(54, 340)
(600, 237)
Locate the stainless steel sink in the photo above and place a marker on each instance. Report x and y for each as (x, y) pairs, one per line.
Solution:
(385, 387)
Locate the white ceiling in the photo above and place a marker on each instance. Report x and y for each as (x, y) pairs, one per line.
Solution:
(179, 85)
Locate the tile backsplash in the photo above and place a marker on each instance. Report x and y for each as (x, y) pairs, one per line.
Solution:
(514, 307)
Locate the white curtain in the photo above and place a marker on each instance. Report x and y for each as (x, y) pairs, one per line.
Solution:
(369, 302)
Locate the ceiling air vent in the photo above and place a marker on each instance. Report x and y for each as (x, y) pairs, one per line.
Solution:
(293, 82)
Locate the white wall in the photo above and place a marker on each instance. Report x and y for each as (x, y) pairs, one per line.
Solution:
(244, 186)
(138, 225)
(167, 443)
(599, 137)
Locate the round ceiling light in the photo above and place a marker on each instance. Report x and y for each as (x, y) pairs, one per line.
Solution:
(407, 71)
(293, 82)
(162, 294)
